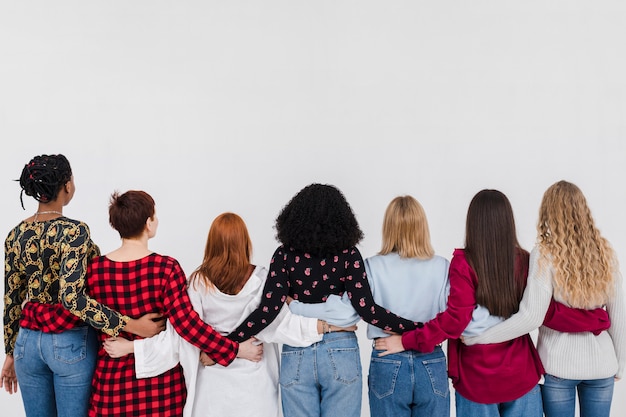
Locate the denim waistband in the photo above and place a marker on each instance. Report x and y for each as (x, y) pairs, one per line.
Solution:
(411, 353)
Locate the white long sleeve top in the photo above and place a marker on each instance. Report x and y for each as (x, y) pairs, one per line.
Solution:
(243, 388)
(565, 355)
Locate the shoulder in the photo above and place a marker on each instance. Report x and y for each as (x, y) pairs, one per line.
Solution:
(376, 260)
(459, 263)
(458, 256)
(352, 252)
(14, 233)
(162, 261)
(70, 228)
(439, 261)
(260, 272)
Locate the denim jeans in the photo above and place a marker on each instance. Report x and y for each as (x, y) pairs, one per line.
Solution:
(528, 405)
(409, 384)
(594, 396)
(54, 371)
(322, 380)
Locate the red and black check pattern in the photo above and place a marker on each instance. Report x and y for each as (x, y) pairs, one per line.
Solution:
(49, 318)
(152, 284)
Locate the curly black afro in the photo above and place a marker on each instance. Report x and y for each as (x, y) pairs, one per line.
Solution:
(318, 220)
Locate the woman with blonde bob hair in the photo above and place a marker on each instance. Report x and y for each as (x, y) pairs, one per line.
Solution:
(408, 278)
(573, 264)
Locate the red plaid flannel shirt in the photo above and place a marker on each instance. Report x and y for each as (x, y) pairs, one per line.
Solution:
(152, 284)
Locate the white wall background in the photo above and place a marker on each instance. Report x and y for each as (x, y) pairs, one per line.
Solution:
(215, 106)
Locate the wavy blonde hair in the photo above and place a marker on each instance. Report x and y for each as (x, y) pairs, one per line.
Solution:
(405, 229)
(583, 260)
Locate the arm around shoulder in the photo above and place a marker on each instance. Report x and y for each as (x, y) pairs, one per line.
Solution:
(532, 308)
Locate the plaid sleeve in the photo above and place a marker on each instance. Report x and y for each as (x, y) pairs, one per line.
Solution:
(188, 323)
(76, 252)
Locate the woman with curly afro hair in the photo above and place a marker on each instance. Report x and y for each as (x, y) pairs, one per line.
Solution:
(318, 259)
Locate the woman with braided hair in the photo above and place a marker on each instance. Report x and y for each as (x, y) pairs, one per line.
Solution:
(49, 320)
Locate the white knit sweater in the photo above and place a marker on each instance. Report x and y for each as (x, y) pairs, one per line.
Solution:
(565, 355)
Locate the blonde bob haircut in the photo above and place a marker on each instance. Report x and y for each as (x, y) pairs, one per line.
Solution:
(583, 260)
(405, 229)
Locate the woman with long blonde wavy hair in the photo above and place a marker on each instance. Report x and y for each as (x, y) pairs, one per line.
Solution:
(573, 264)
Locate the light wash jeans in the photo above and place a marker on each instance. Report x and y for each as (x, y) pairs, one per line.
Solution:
(54, 371)
(409, 384)
(322, 380)
(528, 405)
(594, 396)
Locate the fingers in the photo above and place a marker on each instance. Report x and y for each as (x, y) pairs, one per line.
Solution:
(9, 383)
(155, 316)
(161, 325)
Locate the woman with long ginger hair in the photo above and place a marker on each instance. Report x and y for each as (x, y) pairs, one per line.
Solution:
(224, 289)
(575, 265)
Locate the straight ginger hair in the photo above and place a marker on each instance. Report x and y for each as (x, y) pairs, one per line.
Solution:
(405, 229)
(227, 255)
(583, 260)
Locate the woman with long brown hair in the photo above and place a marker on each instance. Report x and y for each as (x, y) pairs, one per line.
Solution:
(574, 264)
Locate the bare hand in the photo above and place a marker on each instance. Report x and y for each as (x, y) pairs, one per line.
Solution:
(8, 379)
(288, 300)
(205, 360)
(391, 344)
(251, 350)
(147, 325)
(117, 347)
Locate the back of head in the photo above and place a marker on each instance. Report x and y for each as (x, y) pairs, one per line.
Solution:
(583, 260)
(43, 177)
(227, 255)
(318, 220)
(405, 229)
(491, 248)
(129, 212)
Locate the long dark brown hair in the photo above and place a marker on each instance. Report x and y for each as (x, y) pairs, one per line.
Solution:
(492, 249)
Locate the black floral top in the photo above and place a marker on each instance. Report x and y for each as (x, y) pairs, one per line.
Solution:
(45, 265)
(311, 279)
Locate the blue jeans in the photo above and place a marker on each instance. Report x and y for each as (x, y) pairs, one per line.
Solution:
(322, 380)
(528, 405)
(54, 371)
(409, 384)
(594, 396)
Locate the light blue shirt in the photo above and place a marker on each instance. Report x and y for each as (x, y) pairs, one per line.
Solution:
(416, 289)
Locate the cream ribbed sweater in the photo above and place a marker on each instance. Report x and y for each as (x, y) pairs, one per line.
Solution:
(565, 355)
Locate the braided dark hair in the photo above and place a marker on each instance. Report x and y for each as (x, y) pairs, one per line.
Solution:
(43, 177)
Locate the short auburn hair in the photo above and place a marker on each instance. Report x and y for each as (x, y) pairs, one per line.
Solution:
(128, 212)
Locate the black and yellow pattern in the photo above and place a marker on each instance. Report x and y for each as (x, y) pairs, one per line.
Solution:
(46, 262)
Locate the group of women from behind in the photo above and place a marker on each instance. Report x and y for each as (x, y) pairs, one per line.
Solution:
(61, 295)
